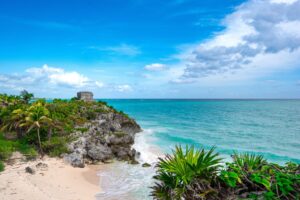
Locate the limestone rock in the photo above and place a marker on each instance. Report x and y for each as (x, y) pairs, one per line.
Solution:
(99, 152)
(30, 170)
(146, 165)
(42, 166)
(109, 136)
(133, 162)
(75, 159)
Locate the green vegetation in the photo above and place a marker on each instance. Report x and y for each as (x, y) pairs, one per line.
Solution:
(26, 96)
(31, 126)
(198, 174)
(7, 147)
(1, 166)
(55, 146)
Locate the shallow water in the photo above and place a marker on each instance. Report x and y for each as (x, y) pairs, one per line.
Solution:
(267, 127)
(120, 180)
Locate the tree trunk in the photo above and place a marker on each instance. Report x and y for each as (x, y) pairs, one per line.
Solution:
(40, 143)
(49, 133)
(19, 133)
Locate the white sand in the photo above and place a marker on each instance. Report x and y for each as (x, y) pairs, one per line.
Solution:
(59, 182)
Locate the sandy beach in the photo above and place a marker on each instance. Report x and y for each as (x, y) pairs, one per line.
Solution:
(57, 181)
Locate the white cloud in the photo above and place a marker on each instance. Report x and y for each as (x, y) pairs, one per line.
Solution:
(70, 78)
(155, 67)
(123, 88)
(283, 1)
(59, 76)
(44, 70)
(46, 77)
(257, 34)
(99, 84)
(122, 49)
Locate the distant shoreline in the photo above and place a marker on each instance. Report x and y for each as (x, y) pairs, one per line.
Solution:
(191, 99)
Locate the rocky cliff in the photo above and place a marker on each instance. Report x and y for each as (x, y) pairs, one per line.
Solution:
(109, 136)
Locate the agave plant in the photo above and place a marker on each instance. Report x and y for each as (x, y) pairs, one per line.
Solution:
(249, 162)
(175, 172)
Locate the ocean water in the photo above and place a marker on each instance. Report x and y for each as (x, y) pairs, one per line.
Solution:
(267, 127)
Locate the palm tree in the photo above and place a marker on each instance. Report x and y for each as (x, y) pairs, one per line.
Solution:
(14, 121)
(56, 123)
(26, 96)
(53, 125)
(9, 100)
(37, 117)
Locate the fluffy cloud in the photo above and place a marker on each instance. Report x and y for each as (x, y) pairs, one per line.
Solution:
(46, 78)
(59, 76)
(256, 32)
(155, 67)
(123, 88)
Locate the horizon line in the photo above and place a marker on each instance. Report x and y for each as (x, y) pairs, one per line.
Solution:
(182, 98)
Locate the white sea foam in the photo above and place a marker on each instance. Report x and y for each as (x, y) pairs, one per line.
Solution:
(124, 181)
(144, 144)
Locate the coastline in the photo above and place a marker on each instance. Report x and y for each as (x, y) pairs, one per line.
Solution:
(120, 180)
(58, 181)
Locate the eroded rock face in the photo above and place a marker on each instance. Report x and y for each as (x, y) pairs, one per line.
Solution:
(75, 159)
(110, 136)
(99, 152)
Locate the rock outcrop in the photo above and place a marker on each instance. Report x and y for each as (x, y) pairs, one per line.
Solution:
(110, 136)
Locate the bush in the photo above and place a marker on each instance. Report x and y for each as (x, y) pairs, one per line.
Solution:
(272, 180)
(175, 172)
(194, 175)
(124, 114)
(56, 146)
(6, 149)
(1, 166)
(27, 150)
(82, 129)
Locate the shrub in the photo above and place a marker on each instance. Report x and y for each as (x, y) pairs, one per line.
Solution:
(56, 146)
(175, 172)
(194, 175)
(1, 166)
(82, 129)
(124, 114)
(6, 149)
(27, 150)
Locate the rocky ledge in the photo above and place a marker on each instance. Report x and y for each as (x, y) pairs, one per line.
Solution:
(109, 136)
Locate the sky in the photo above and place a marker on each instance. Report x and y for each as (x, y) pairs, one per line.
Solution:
(151, 49)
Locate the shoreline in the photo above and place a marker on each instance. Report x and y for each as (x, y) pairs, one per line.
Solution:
(120, 180)
(58, 181)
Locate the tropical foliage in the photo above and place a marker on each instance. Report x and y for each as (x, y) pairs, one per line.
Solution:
(29, 126)
(176, 172)
(197, 174)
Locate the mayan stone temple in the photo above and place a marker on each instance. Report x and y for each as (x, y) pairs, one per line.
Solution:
(85, 96)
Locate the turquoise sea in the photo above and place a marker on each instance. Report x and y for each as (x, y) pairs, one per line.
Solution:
(267, 127)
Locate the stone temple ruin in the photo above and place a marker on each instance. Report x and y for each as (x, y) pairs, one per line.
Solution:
(85, 96)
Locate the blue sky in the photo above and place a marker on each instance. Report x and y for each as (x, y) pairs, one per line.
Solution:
(151, 49)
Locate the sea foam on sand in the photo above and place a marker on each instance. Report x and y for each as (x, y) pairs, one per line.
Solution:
(120, 180)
